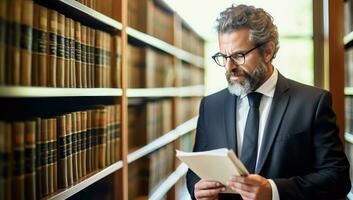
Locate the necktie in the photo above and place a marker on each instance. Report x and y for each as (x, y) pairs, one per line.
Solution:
(249, 150)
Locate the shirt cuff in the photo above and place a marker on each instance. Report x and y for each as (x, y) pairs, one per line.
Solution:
(275, 195)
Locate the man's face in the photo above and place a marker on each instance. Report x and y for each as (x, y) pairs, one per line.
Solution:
(247, 77)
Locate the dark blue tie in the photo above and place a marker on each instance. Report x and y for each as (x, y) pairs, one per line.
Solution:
(249, 150)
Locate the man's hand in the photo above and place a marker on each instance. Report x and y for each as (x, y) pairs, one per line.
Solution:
(208, 190)
(251, 187)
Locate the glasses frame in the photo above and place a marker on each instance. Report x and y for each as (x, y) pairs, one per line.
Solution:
(239, 54)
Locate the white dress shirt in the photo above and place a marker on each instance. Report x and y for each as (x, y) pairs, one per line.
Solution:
(268, 90)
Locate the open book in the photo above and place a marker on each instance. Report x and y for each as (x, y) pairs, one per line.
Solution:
(217, 165)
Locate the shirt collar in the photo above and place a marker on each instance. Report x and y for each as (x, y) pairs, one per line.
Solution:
(268, 87)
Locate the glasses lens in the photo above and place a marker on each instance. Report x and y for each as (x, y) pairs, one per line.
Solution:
(220, 60)
(238, 59)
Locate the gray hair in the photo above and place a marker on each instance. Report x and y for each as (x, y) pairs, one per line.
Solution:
(259, 22)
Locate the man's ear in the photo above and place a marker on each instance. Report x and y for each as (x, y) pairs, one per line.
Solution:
(270, 48)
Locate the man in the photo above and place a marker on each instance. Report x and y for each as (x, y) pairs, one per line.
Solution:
(284, 132)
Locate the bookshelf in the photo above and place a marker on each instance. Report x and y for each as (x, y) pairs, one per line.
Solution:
(82, 117)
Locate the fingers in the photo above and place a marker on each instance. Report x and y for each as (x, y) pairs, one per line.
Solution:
(207, 190)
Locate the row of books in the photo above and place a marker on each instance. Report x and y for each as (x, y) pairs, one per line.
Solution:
(191, 42)
(149, 17)
(349, 67)
(41, 155)
(154, 118)
(149, 68)
(349, 114)
(189, 107)
(146, 174)
(191, 75)
(42, 47)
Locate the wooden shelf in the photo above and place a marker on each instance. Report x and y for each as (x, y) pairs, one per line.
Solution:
(164, 140)
(348, 91)
(172, 179)
(66, 193)
(190, 91)
(87, 16)
(161, 45)
(19, 91)
(348, 40)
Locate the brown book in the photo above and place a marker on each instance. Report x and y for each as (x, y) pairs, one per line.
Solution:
(40, 46)
(89, 159)
(3, 159)
(117, 129)
(52, 161)
(79, 143)
(52, 46)
(67, 54)
(68, 126)
(102, 136)
(44, 146)
(60, 62)
(14, 41)
(62, 152)
(8, 160)
(26, 42)
(84, 56)
(38, 159)
(95, 130)
(116, 67)
(72, 55)
(78, 55)
(74, 147)
(92, 40)
(108, 151)
(88, 57)
(30, 160)
(3, 19)
(98, 59)
(84, 142)
(18, 148)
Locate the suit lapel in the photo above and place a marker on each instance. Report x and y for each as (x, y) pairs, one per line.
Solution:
(278, 108)
(230, 126)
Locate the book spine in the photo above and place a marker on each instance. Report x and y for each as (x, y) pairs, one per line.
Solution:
(51, 153)
(92, 60)
(8, 160)
(89, 57)
(68, 123)
(78, 55)
(84, 56)
(14, 40)
(2, 159)
(26, 42)
(60, 68)
(74, 148)
(62, 152)
(108, 150)
(39, 185)
(3, 19)
(44, 157)
(30, 160)
(67, 54)
(79, 143)
(18, 145)
(84, 142)
(89, 142)
(117, 129)
(42, 43)
(72, 55)
(52, 46)
(98, 59)
(95, 138)
(102, 137)
(116, 70)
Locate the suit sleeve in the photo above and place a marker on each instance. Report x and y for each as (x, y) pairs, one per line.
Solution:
(200, 142)
(330, 176)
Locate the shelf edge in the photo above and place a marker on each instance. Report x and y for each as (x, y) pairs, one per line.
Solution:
(87, 182)
(348, 91)
(169, 182)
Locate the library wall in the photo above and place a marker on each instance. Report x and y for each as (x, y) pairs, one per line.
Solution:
(95, 96)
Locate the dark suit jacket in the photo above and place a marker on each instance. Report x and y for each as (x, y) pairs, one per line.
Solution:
(301, 151)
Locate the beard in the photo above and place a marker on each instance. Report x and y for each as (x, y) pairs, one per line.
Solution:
(249, 83)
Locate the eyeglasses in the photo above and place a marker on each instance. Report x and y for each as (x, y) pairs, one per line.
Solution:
(237, 58)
